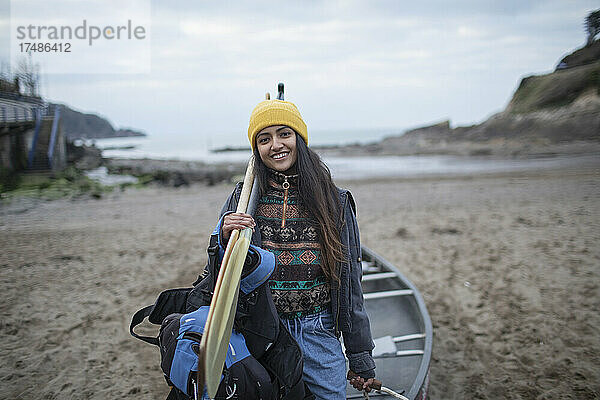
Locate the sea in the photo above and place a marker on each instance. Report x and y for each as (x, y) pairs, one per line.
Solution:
(342, 168)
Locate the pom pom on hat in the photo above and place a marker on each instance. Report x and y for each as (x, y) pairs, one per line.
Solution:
(275, 112)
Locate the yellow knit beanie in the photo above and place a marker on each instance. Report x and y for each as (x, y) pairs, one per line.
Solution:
(275, 112)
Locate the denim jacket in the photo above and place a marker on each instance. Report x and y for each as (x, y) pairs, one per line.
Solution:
(351, 319)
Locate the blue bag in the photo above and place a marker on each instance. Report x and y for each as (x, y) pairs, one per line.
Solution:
(180, 335)
(179, 339)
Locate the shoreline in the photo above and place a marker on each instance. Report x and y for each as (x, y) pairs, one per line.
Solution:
(499, 148)
(33, 190)
(198, 171)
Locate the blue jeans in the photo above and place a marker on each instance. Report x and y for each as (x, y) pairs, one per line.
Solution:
(324, 362)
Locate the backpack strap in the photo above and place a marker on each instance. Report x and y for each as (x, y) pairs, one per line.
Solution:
(170, 301)
(137, 319)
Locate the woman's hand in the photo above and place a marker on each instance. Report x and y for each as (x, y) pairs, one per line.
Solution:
(236, 221)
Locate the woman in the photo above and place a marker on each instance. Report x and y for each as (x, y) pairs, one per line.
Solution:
(310, 226)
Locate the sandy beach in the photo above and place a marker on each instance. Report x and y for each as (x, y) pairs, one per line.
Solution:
(508, 264)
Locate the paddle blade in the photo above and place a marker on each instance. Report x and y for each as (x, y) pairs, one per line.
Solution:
(224, 307)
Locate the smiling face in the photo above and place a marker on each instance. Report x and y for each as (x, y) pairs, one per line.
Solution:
(276, 146)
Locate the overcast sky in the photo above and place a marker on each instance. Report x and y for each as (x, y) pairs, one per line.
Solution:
(346, 64)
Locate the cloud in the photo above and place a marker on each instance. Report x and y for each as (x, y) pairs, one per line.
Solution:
(387, 63)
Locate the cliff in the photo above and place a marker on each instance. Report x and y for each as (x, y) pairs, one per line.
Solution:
(78, 125)
(555, 112)
(585, 55)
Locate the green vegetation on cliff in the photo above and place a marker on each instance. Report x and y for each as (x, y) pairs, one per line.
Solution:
(582, 56)
(562, 87)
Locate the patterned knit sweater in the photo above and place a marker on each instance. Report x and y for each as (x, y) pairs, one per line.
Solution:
(298, 284)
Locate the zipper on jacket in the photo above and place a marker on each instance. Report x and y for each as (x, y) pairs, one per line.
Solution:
(286, 186)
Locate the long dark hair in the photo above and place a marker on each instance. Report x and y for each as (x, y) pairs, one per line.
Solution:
(319, 196)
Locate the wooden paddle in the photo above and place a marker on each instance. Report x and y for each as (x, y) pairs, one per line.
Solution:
(219, 323)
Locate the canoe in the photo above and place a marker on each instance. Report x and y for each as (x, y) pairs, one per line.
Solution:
(401, 328)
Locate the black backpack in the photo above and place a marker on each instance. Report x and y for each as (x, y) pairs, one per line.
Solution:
(179, 338)
(272, 368)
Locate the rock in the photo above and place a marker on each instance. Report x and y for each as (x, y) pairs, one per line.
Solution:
(178, 179)
(84, 157)
(445, 231)
(402, 232)
(175, 173)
